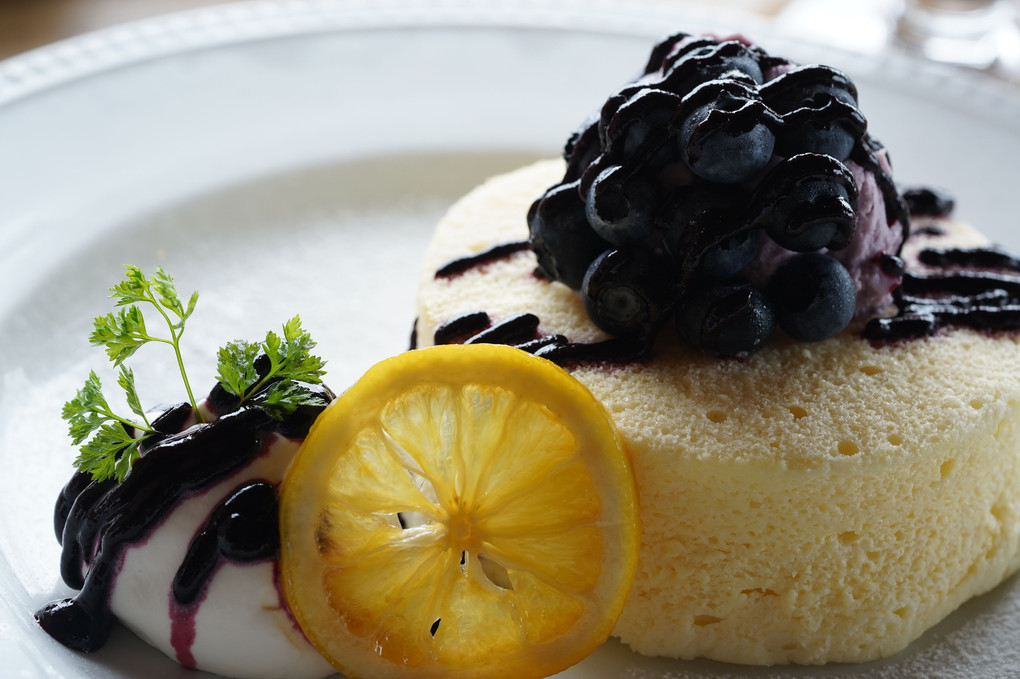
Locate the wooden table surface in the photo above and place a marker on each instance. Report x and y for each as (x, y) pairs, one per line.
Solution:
(25, 24)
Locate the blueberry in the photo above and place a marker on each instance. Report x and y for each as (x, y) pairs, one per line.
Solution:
(612, 105)
(581, 148)
(700, 61)
(561, 237)
(628, 293)
(724, 137)
(807, 202)
(707, 221)
(729, 319)
(818, 106)
(640, 126)
(818, 136)
(620, 205)
(731, 256)
(814, 297)
(810, 85)
(662, 49)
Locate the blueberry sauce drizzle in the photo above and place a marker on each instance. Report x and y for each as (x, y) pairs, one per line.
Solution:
(96, 522)
(521, 331)
(928, 202)
(499, 251)
(980, 258)
(973, 287)
(243, 529)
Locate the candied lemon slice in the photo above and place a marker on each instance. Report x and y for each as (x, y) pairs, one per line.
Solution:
(461, 511)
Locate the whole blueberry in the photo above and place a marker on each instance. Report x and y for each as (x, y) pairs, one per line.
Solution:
(561, 237)
(581, 148)
(730, 257)
(723, 136)
(700, 61)
(727, 319)
(628, 292)
(640, 126)
(813, 296)
(620, 205)
(807, 202)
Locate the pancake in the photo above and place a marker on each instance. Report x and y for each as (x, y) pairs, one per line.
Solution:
(811, 502)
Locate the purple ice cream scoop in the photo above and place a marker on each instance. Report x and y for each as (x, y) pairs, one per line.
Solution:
(874, 236)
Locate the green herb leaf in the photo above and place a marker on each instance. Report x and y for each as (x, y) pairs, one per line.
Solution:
(126, 380)
(109, 443)
(109, 454)
(283, 398)
(290, 361)
(235, 366)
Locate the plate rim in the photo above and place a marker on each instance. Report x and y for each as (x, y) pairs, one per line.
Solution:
(44, 68)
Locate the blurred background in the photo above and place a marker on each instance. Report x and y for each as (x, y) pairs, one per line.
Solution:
(981, 34)
(25, 24)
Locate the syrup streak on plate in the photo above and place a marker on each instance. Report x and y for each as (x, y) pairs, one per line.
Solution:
(293, 158)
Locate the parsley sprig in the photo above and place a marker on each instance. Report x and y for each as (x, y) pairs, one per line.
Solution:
(109, 443)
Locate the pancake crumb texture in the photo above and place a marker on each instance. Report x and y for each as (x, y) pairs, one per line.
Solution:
(815, 502)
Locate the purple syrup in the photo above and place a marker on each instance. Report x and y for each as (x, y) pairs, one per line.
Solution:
(459, 328)
(96, 522)
(972, 287)
(242, 529)
(928, 202)
(977, 258)
(496, 252)
(521, 331)
(516, 329)
(183, 632)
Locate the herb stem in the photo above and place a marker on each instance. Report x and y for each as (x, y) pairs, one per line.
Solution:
(175, 342)
(147, 428)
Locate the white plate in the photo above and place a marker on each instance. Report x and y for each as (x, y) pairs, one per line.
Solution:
(293, 157)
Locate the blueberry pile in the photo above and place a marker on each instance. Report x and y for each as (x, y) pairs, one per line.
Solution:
(672, 188)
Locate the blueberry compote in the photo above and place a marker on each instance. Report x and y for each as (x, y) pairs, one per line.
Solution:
(96, 522)
(674, 188)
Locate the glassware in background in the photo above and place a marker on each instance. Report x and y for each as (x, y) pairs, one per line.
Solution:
(976, 33)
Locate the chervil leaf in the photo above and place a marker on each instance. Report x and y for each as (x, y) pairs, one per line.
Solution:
(85, 413)
(290, 360)
(122, 333)
(110, 453)
(166, 294)
(126, 380)
(283, 398)
(109, 443)
(235, 366)
(134, 288)
(296, 361)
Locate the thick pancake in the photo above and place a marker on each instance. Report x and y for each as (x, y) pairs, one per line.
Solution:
(814, 502)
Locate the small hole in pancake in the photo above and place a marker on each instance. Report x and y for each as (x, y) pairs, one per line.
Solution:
(797, 412)
(895, 439)
(703, 620)
(870, 370)
(848, 538)
(902, 612)
(847, 448)
(947, 468)
(977, 404)
(435, 627)
(716, 416)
